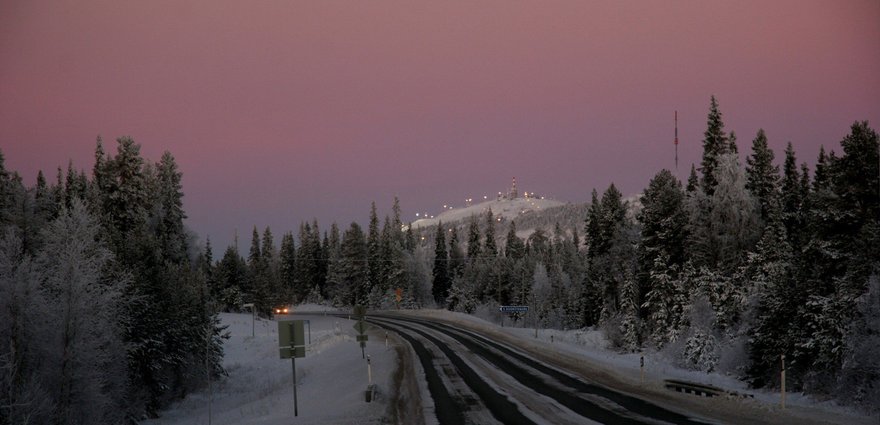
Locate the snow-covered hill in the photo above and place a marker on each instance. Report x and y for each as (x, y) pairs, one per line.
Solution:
(504, 209)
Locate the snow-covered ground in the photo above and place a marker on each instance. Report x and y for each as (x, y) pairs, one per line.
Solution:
(331, 378)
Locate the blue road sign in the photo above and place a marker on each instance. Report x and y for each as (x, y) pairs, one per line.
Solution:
(514, 309)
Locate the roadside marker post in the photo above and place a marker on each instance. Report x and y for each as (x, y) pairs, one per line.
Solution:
(783, 380)
(642, 368)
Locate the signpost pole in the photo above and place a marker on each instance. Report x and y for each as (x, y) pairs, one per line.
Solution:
(295, 407)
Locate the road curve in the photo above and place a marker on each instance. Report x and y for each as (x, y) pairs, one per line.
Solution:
(474, 379)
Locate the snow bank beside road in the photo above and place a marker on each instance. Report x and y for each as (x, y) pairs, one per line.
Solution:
(591, 345)
(331, 378)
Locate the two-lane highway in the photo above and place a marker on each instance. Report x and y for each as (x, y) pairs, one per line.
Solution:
(473, 379)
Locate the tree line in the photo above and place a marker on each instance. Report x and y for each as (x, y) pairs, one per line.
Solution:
(105, 312)
(729, 270)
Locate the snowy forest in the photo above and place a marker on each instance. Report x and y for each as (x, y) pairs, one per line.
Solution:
(740, 264)
(105, 314)
(109, 304)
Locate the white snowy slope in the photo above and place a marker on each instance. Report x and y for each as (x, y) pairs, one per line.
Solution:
(503, 209)
(331, 378)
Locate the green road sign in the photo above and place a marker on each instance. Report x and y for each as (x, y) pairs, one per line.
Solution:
(360, 326)
(291, 338)
(362, 338)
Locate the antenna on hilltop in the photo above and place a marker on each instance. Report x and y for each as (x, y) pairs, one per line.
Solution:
(676, 141)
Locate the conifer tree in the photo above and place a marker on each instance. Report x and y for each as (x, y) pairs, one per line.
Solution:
(693, 182)
(715, 144)
(456, 255)
(629, 308)
(441, 282)
(664, 221)
(287, 265)
(792, 198)
(489, 248)
(514, 249)
(373, 246)
(592, 230)
(350, 273)
(172, 236)
(761, 175)
(473, 248)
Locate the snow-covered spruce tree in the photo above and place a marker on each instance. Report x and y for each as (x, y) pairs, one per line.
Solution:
(859, 380)
(660, 302)
(473, 248)
(440, 283)
(630, 324)
(271, 270)
(663, 231)
(605, 232)
(700, 350)
(733, 216)
(287, 261)
(456, 254)
(463, 294)
(715, 144)
(231, 280)
(699, 245)
(258, 277)
(841, 253)
(169, 210)
(793, 199)
(762, 177)
(351, 270)
(514, 249)
(592, 235)
(490, 251)
(374, 266)
(83, 365)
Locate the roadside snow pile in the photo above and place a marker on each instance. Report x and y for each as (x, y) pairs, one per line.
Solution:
(331, 379)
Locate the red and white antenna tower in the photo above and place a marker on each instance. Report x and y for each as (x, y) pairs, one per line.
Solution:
(676, 140)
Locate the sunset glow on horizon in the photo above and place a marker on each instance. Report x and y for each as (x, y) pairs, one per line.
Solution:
(282, 111)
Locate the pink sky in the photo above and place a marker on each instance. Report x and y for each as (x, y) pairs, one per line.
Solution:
(280, 111)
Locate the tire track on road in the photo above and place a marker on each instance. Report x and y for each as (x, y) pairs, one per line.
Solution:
(577, 404)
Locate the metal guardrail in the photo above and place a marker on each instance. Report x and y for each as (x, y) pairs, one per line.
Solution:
(701, 389)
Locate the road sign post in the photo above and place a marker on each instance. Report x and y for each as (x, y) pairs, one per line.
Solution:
(361, 326)
(291, 344)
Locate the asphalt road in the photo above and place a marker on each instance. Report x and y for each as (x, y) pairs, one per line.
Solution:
(475, 380)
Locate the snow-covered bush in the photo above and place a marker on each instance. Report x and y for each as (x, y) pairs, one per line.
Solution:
(701, 351)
